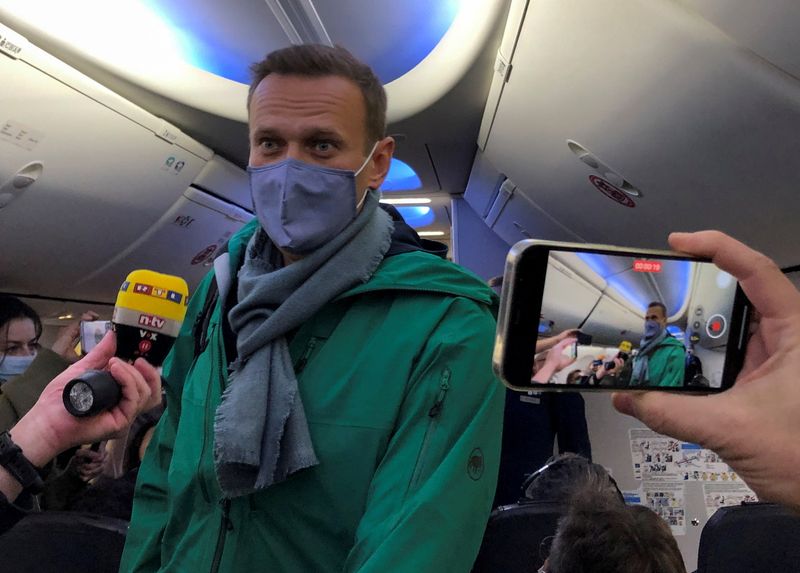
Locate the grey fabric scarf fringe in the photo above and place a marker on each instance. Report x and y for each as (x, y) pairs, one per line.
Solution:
(261, 434)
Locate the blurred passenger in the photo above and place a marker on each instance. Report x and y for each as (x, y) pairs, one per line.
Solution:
(25, 366)
(694, 370)
(563, 476)
(574, 377)
(661, 358)
(533, 421)
(600, 534)
(111, 494)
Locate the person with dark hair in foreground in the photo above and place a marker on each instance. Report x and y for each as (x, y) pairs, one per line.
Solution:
(600, 534)
(754, 426)
(26, 367)
(48, 428)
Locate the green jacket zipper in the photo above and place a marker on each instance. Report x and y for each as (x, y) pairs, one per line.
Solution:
(301, 364)
(433, 415)
(225, 526)
(198, 477)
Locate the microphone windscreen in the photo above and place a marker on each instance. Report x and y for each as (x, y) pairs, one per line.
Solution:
(148, 315)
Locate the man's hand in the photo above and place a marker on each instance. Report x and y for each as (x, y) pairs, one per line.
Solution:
(547, 343)
(754, 426)
(48, 428)
(88, 463)
(615, 368)
(555, 361)
(69, 336)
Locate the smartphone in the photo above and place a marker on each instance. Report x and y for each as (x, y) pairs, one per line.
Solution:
(92, 332)
(677, 323)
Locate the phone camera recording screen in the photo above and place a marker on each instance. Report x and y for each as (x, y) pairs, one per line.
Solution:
(619, 321)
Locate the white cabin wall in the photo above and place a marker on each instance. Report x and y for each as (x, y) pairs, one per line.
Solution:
(608, 430)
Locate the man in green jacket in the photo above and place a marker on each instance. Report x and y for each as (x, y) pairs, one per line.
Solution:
(331, 405)
(661, 358)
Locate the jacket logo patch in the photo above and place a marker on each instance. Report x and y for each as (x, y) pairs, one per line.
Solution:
(475, 464)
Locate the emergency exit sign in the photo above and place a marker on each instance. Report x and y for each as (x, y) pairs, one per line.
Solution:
(644, 266)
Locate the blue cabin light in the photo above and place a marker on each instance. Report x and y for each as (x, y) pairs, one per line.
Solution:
(421, 24)
(401, 177)
(417, 216)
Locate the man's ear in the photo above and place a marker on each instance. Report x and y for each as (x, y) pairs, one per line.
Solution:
(380, 162)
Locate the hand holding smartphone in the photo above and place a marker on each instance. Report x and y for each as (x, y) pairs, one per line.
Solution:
(646, 319)
(92, 332)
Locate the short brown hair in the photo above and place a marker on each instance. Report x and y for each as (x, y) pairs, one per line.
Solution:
(603, 535)
(661, 305)
(316, 60)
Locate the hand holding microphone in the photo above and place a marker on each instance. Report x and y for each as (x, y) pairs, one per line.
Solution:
(148, 314)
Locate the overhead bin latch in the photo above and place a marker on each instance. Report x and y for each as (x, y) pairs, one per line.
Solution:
(502, 66)
(168, 132)
(504, 194)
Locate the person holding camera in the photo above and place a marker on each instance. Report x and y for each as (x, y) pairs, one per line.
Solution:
(754, 426)
(48, 429)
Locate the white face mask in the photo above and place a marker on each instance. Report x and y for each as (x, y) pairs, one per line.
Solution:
(11, 366)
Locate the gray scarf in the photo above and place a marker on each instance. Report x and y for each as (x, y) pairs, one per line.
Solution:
(640, 372)
(261, 434)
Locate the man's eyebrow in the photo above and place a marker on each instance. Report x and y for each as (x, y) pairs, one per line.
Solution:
(320, 133)
(265, 132)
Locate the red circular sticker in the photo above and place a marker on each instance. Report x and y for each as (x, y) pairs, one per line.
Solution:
(611, 192)
(145, 346)
(204, 254)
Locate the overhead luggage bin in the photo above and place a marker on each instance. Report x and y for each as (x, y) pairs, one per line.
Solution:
(226, 181)
(84, 174)
(626, 120)
(183, 242)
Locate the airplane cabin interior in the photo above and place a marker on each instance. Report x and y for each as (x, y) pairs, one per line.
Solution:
(124, 145)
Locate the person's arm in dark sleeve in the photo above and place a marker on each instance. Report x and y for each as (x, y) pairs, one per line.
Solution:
(571, 428)
(430, 497)
(19, 394)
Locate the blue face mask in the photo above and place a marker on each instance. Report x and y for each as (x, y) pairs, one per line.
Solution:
(652, 329)
(11, 366)
(302, 206)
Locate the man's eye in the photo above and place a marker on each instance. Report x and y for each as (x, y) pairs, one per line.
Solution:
(323, 146)
(268, 145)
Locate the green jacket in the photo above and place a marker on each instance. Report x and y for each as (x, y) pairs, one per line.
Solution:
(405, 416)
(666, 365)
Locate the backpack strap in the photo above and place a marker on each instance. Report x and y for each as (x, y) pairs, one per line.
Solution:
(200, 329)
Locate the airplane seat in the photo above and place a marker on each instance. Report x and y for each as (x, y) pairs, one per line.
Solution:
(63, 542)
(514, 535)
(750, 537)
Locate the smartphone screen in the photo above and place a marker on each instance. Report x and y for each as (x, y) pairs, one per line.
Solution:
(92, 332)
(652, 320)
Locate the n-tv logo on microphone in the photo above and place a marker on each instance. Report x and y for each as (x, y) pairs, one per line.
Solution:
(151, 321)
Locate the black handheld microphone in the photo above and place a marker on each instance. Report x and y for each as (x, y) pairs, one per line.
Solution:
(148, 314)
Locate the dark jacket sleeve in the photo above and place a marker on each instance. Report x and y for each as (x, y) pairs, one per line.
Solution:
(572, 431)
(18, 395)
(11, 513)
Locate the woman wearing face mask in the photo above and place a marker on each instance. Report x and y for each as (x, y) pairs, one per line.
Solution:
(26, 367)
